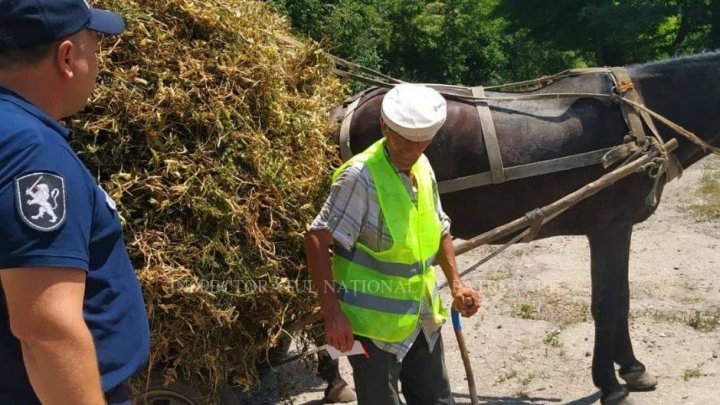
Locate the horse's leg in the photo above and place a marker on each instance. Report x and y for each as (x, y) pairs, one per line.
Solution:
(624, 355)
(631, 369)
(609, 248)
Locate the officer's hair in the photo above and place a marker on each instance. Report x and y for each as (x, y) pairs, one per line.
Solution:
(13, 58)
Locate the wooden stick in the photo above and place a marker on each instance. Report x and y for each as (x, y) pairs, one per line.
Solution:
(457, 327)
(551, 211)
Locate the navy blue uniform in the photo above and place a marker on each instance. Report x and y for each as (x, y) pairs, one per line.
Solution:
(53, 214)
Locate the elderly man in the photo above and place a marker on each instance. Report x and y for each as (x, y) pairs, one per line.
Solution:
(386, 226)
(73, 326)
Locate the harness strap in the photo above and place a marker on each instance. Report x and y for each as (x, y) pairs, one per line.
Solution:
(587, 70)
(497, 170)
(344, 141)
(625, 87)
(523, 171)
(635, 114)
(635, 117)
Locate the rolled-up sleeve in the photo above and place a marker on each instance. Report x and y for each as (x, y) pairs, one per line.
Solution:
(444, 219)
(345, 209)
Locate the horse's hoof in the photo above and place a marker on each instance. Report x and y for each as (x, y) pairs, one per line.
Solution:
(624, 401)
(640, 381)
(340, 393)
(618, 397)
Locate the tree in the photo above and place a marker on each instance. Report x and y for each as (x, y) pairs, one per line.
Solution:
(452, 41)
(715, 24)
(614, 32)
(494, 41)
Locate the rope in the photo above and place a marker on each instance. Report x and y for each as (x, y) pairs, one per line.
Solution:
(354, 66)
(539, 82)
(362, 79)
(613, 98)
(522, 235)
(675, 127)
(546, 80)
(389, 82)
(535, 218)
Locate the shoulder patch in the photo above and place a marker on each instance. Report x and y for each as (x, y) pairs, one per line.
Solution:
(40, 198)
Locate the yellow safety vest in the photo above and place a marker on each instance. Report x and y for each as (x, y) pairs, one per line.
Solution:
(381, 293)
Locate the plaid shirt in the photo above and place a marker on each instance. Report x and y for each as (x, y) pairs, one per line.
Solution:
(352, 214)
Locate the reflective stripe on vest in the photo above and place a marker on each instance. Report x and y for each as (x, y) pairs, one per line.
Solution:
(390, 269)
(375, 302)
(381, 292)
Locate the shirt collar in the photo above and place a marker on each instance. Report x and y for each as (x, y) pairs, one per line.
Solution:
(33, 110)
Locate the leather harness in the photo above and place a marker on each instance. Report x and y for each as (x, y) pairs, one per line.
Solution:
(634, 119)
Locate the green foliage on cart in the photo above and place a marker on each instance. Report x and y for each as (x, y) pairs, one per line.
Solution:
(212, 136)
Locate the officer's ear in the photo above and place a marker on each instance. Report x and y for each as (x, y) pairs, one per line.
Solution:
(65, 58)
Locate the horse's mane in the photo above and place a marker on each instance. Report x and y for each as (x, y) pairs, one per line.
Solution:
(686, 61)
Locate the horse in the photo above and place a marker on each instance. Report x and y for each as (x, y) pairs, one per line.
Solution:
(685, 90)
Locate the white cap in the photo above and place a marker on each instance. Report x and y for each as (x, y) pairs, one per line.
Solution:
(414, 111)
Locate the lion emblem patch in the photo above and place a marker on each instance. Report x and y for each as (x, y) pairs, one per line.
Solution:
(41, 200)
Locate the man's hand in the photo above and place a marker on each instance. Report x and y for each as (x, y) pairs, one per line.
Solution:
(338, 331)
(465, 300)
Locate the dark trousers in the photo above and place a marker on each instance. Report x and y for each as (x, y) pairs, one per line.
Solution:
(422, 374)
(119, 395)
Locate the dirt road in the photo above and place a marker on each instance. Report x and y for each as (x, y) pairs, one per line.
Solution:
(533, 339)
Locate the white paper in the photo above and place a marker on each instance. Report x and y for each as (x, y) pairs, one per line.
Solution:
(356, 349)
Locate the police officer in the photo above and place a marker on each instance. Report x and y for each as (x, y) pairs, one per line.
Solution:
(386, 226)
(73, 326)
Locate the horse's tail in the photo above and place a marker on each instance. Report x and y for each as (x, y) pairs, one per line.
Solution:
(54, 194)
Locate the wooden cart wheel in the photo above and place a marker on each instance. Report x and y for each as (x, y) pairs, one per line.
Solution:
(180, 393)
(177, 393)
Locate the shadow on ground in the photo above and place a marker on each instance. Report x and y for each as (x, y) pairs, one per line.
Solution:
(281, 383)
(464, 399)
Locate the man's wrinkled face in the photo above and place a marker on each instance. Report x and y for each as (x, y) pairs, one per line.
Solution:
(403, 152)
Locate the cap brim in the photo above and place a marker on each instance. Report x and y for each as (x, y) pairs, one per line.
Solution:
(106, 22)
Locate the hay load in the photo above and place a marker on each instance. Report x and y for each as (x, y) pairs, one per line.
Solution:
(212, 138)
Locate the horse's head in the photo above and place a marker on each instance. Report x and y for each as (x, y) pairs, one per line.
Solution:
(686, 91)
